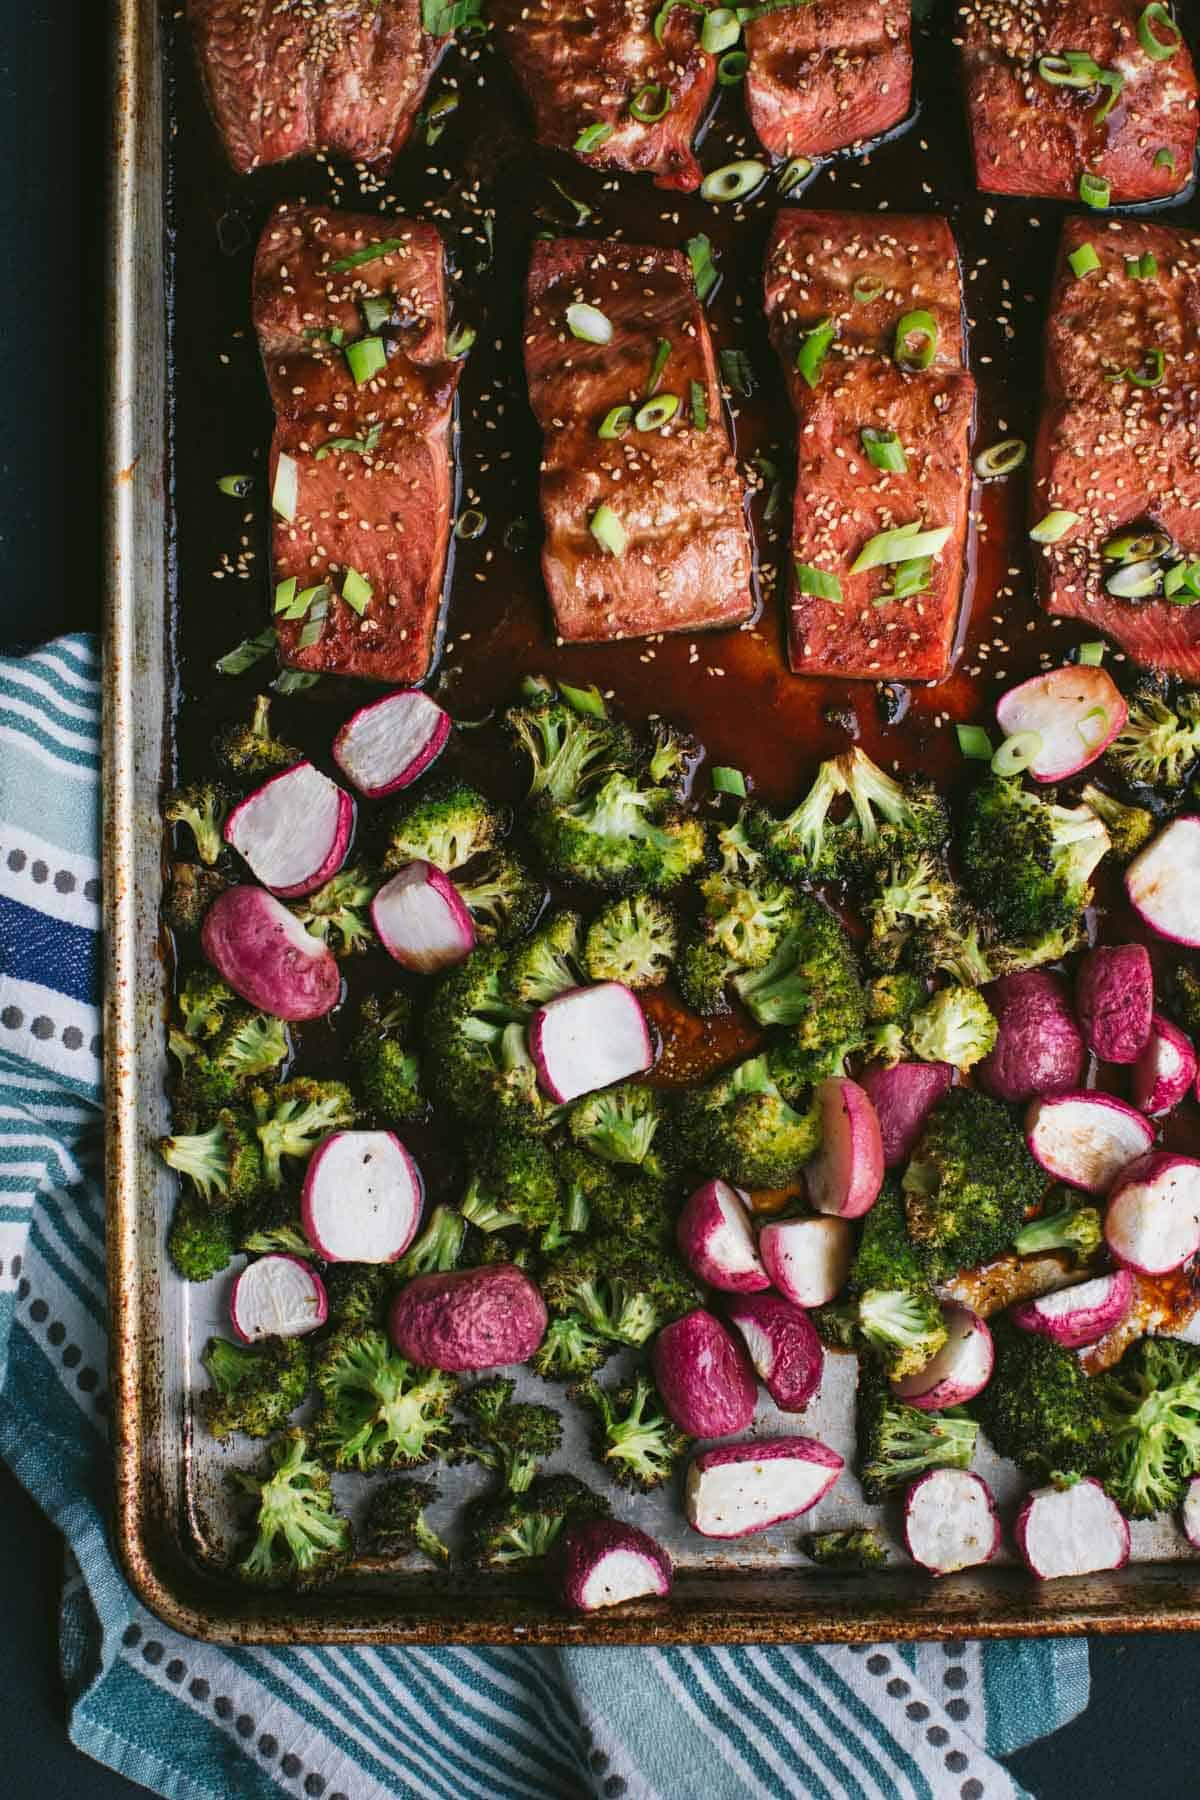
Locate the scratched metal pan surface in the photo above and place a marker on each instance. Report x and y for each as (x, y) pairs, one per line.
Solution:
(187, 404)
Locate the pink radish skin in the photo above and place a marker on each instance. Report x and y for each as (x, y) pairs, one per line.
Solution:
(422, 921)
(1080, 1315)
(264, 953)
(362, 1198)
(738, 1489)
(1152, 1224)
(704, 1375)
(277, 1296)
(808, 1260)
(846, 1174)
(716, 1239)
(588, 1038)
(961, 1369)
(783, 1345)
(1077, 711)
(1163, 882)
(903, 1097)
(1189, 1513)
(1039, 1047)
(1086, 1139)
(604, 1562)
(1166, 1069)
(950, 1522)
(1114, 995)
(294, 831)
(1071, 1531)
(387, 745)
(469, 1318)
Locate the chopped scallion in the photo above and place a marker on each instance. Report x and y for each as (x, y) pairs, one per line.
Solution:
(1165, 159)
(1094, 190)
(376, 311)
(720, 30)
(1135, 581)
(1152, 370)
(1073, 68)
(591, 138)
(913, 576)
(356, 591)
(732, 68)
(1139, 546)
(1017, 752)
(285, 593)
(1158, 34)
(437, 116)
(1091, 654)
(729, 781)
(793, 174)
(285, 490)
(616, 422)
(294, 681)
(1142, 268)
(814, 348)
(656, 413)
(1083, 261)
(313, 628)
(916, 341)
(900, 544)
(365, 359)
(1055, 525)
(588, 324)
(867, 289)
(1113, 81)
(884, 450)
(1093, 727)
(735, 181)
(370, 253)
(460, 341)
(470, 524)
(1181, 583)
(237, 486)
(589, 700)
(608, 530)
(704, 270)
(352, 446)
(664, 13)
(699, 406)
(819, 583)
(662, 355)
(1001, 459)
(651, 103)
(736, 371)
(974, 742)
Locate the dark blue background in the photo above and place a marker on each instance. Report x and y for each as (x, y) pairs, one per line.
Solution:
(1142, 1731)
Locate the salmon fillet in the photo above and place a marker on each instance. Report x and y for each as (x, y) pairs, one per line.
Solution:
(829, 74)
(1032, 137)
(676, 492)
(286, 78)
(379, 503)
(1118, 454)
(814, 262)
(582, 62)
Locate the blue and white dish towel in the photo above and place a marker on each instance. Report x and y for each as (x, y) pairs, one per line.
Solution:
(202, 1723)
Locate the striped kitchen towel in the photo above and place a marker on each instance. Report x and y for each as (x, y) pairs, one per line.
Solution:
(204, 1723)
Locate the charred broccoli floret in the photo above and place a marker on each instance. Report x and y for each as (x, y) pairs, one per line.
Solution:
(1129, 828)
(628, 1123)
(387, 1071)
(620, 1200)
(674, 755)
(438, 1247)
(634, 1438)
(293, 1120)
(513, 1185)
(969, 1184)
(884, 818)
(1062, 1225)
(896, 1443)
(853, 1551)
(357, 1292)
(633, 940)
(224, 1163)
(957, 1026)
(741, 1128)
(898, 1311)
(1040, 1408)
(625, 834)
(1150, 1404)
(201, 1242)
(202, 807)
(622, 1292)
(517, 1528)
(810, 984)
(395, 1524)
(300, 1537)
(252, 752)
(216, 1071)
(568, 749)
(739, 928)
(204, 1002)
(255, 1386)
(1027, 861)
(1183, 998)
(189, 893)
(503, 898)
(339, 912)
(377, 1410)
(447, 825)
(514, 1437)
(805, 845)
(1158, 744)
(549, 961)
(914, 906)
(476, 1040)
(891, 1002)
(569, 1349)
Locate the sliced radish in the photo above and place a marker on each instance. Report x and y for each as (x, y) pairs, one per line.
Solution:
(716, 1239)
(704, 1375)
(362, 1198)
(961, 1369)
(950, 1521)
(603, 1562)
(737, 1489)
(1076, 712)
(1189, 1513)
(1075, 1530)
(1078, 1315)
(294, 831)
(588, 1038)
(1152, 1224)
(783, 1345)
(1166, 1069)
(264, 953)
(903, 1097)
(808, 1260)
(277, 1296)
(846, 1174)
(1163, 883)
(387, 745)
(1085, 1139)
(1114, 997)
(422, 921)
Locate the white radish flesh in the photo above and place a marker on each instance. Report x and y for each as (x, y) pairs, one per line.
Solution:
(603, 1562)
(1085, 1139)
(1166, 1069)
(1152, 1224)
(1078, 1315)
(961, 1369)
(294, 831)
(277, 1296)
(782, 1343)
(846, 1174)
(716, 1239)
(588, 1038)
(808, 1260)
(1189, 1513)
(1114, 997)
(387, 745)
(738, 1489)
(362, 1198)
(422, 921)
(1076, 1530)
(1076, 711)
(950, 1521)
(264, 953)
(1163, 882)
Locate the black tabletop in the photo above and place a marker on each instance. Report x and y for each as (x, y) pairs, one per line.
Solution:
(1142, 1730)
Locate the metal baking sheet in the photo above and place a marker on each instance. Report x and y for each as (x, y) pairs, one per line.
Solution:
(181, 228)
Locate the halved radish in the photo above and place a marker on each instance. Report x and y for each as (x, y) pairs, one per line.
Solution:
(1166, 1069)
(1189, 1512)
(961, 1369)
(463, 1319)
(362, 1198)
(277, 1296)
(1114, 998)
(716, 1239)
(603, 1562)
(950, 1521)
(422, 921)
(1075, 711)
(903, 1097)
(1163, 883)
(704, 1375)
(1152, 1224)
(264, 953)
(589, 1037)
(846, 1174)
(1079, 1315)
(808, 1260)
(1039, 1047)
(294, 831)
(737, 1489)
(1085, 1139)
(1075, 1530)
(388, 744)
(783, 1345)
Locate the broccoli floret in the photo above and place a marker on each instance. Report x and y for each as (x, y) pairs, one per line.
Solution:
(806, 845)
(957, 1026)
(217, 1071)
(1040, 1409)
(190, 892)
(255, 1386)
(628, 1123)
(224, 1164)
(886, 818)
(204, 1002)
(569, 1349)
(1027, 861)
(622, 1292)
(511, 1436)
(632, 940)
(1063, 1225)
(673, 756)
(250, 751)
(1150, 1404)
(567, 749)
(203, 808)
(377, 1410)
(810, 983)
(448, 825)
(891, 1002)
(837, 1324)
(1158, 744)
(1010, 957)
(293, 1120)
(1129, 828)
(201, 1242)
(701, 974)
(300, 1537)
(737, 855)
(516, 1528)
(357, 1292)
(339, 914)
(274, 1228)
(386, 1071)
(623, 835)
(969, 1184)
(503, 898)
(513, 1185)
(549, 961)
(634, 1438)
(740, 928)
(438, 1247)
(895, 1443)
(476, 1042)
(898, 1311)
(853, 1551)
(741, 1128)
(395, 1521)
(1183, 998)
(622, 1202)
(914, 906)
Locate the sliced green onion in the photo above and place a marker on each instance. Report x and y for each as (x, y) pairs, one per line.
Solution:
(916, 341)
(736, 371)
(293, 681)
(285, 491)
(795, 171)
(974, 742)
(900, 544)
(357, 591)
(588, 324)
(651, 103)
(664, 13)
(699, 406)
(1017, 752)
(1094, 191)
(1055, 525)
(1152, 371)
(591, 138)
(1091, 655)
(365, 359)
(1142, 268)
(285, 593)
(1083, 261)
(1135, 581)
(720, 30)
(867, 289)
(1001, 459)
(1093, 727)
(1114, 81)
(608, 530)
(370, 253)
(732, 68)
(1073, 69)
(729, 781)
(437, 116)
(354, 446)
(470, 524)
(734, 181)
(913, 576)
(460, 341)
(770, 475)
(589, 700)
(243, 656)
(1141, 546)
(814, 348)
(1158, 34)
(662, 355)
(704, 270)
(237, 486)
(656, 413)
(884, 450)
(1181, 583)
(818, 582)
(376, 311)
(616, 422)
(1165, 159)
(313, 628)
(302, 603)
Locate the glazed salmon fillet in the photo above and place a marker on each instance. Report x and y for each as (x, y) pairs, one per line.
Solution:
(850, 279)
(589, 67)
(833, 73)
(1120, 456)
(1131, 121)
(286, 78)
(372, 462)
(675, 492)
